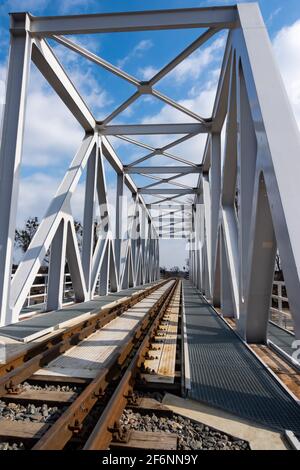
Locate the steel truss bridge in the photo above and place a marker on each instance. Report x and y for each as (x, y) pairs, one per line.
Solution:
(233, 238)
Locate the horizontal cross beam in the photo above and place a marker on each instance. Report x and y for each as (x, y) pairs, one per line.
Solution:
(224, 17)
(184, 170)
(145, 129)
(167, 191)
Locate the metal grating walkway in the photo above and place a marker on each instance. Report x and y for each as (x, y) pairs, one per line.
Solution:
(226, 375)
(43, 323)
(281, 338)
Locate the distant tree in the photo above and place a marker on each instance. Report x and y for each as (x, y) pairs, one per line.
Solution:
(175, 269)
(96, 233)
(24, 236)
(79, 232)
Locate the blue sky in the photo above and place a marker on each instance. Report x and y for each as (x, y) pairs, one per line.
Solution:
(47, 150)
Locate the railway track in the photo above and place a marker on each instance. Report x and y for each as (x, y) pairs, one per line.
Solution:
(99, 384)
(82, 408)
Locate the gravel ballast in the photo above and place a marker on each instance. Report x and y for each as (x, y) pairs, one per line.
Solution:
(11, 446)
(30, 413)
(51, 388)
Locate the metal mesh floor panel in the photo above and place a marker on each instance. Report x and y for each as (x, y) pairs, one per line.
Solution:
(45, 322)
(226, 375)
(281, 338)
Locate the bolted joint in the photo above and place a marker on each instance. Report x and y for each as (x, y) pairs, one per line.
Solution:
(19, 23)
(76, 427)
(119, 434)
(145, 88)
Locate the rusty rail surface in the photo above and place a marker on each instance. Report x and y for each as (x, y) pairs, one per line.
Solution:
(107, 426)
(70, 422)
(24, 363)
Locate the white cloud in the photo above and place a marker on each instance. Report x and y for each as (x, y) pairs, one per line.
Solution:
(201, 104)
(29, 204)
(52, 135)
(194, 65)
(167, 249)
(274, 14)
(83, 76)
(147, 72)
(286, 48)
(77, 6)
(137, 51)
(26, 5)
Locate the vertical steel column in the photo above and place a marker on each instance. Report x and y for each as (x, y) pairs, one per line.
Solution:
(143, 245)
(57, 268)
(11, 151)
(215, 191)
(119, 218)
(160, 223)
(88, 218)
(254, 316)
(277, 179)
(226, 293)
(172, 225)
(133, 236)
(229, 215)
(196, 242)
(104, 272)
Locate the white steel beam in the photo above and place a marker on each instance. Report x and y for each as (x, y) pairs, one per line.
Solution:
(277, 134)
(96, 59)
(10, 155)
(88, 217)
(116, 163)
(159, 151)
(184, 170)
(223, 17)
(34, 256)
(119, 219)
(55, 290)
(179, 192)
(183, 55)
(158, 129)
(47, 63)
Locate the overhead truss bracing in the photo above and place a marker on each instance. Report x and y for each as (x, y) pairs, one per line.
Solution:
(243, 208)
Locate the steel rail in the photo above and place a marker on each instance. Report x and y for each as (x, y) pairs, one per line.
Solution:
(70, 422)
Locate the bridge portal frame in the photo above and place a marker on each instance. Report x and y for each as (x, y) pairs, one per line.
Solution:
(232, 247)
